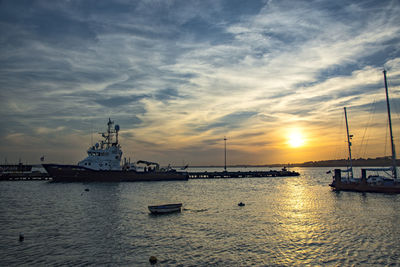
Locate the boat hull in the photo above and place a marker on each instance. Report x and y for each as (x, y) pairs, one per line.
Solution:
(167, 208)
(74, 173)
(393, 188)
(372, 184)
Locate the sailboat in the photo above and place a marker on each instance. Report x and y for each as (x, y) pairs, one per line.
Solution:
(371, 183)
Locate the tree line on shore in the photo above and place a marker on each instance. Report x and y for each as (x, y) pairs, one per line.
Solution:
(360, 162)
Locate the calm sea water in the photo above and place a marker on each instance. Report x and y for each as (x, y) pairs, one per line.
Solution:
(286, 221)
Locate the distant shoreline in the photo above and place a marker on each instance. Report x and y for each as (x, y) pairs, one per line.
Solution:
(377, 162)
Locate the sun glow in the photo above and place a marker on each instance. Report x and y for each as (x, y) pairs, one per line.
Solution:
(295, 139)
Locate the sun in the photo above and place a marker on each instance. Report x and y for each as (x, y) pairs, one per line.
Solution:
(295, 139)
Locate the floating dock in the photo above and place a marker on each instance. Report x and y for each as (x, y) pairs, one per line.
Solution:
(239, 174)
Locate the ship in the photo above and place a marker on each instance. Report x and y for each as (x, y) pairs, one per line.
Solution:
(369, 183)
(103, 164)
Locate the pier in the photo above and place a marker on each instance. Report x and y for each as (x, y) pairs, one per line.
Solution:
(24, 176)
(21, 172)
(239, 174)
(25, 173)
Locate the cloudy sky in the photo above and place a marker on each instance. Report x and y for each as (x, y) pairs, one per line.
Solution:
(178, 76)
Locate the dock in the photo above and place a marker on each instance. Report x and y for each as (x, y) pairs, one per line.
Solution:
(21, 172)
(24, 177)
(239, 174)
(26, 173)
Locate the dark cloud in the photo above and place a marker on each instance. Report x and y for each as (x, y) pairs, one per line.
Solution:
(247, 135)
(200, 30)
(45, 22)
(127, 121)
(228, 122)
(167, 94)
(281, 94)
(212, 141)
(379, 106)
(117, 101)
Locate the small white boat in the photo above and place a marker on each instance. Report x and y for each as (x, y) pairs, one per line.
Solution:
(167, 208)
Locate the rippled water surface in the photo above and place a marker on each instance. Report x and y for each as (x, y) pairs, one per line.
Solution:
(286, 221)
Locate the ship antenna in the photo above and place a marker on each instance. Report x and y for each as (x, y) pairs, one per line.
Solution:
(394, 168)
(116, 133)
(108, 138)
(91, 134)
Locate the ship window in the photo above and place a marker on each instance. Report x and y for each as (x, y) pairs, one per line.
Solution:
(89, 163)
(85, 163)
(116, 157)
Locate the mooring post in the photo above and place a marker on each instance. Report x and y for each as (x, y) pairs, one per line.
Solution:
(338, 175)
(363, 175)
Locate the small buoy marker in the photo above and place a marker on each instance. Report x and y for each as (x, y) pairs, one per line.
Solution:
(152, 260)
(21, 237)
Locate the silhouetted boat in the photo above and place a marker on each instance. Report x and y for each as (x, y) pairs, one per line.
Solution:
(372, 183)
(166, 208)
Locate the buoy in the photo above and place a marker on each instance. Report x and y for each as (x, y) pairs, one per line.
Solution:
(153, 260)
(241, 204)
(21, 237)
(87, 189)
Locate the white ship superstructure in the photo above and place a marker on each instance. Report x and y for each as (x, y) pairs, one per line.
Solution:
(107, 154)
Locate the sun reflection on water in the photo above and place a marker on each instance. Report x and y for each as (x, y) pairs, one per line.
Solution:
(301, 230)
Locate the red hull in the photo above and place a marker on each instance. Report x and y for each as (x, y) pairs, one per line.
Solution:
(364, 187)
(73, 173)
(384, 185)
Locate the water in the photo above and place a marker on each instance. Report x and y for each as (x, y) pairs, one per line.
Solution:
(286, 221)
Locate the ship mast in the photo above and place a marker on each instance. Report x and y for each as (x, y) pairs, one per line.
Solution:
(349, 143)
(225, 153)
(108, 137)
(394, 168)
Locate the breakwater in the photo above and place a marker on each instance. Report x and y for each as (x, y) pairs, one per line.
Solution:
(240, 174)
(18, 172)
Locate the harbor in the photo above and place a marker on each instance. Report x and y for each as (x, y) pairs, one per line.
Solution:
(281, 216)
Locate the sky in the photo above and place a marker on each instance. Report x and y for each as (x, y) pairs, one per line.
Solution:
(179, 76)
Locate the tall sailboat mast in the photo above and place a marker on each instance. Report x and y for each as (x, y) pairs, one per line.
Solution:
(394, 168)
(225, 153)
(349, 143)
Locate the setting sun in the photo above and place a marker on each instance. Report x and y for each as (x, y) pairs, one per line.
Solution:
(295, 139)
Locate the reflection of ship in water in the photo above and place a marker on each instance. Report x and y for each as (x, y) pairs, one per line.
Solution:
(103, 164)
(372, 183)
